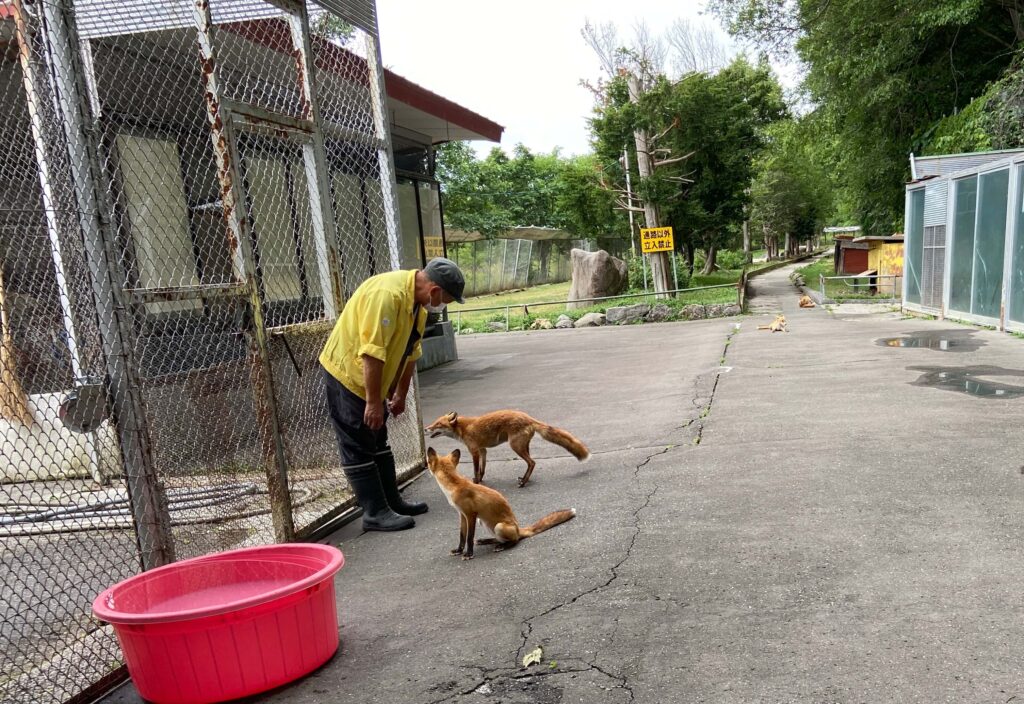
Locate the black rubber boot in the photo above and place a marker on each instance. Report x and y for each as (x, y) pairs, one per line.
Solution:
(377, 515)
(386, 465)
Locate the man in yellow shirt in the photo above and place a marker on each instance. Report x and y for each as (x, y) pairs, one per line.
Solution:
(368, 362)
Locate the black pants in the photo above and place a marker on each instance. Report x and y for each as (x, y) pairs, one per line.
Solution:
(358, 444)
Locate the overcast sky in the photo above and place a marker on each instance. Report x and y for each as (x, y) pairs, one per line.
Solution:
(518, 64)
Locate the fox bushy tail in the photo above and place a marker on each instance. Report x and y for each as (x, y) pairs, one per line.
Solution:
(549, 521)
(564, 439)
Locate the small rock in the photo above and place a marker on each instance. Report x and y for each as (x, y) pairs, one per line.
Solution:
(627, 314)
(485, 688)
(496, 326)
(694, 311)
(590, 320)
(541, 324)
(467, 331)
(733, 309)
(564, 321)
(659, 313)
(714, 310)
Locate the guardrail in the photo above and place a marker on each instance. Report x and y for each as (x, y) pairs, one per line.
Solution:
(868, 281)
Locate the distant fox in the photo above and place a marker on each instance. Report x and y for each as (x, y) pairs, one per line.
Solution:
(473, 502)
(492, 429)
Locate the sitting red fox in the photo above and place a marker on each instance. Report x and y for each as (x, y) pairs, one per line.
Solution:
(481, 502)
(492, 429)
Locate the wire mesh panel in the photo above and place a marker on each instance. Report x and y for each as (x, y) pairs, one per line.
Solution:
(188, 191)
(65, 531)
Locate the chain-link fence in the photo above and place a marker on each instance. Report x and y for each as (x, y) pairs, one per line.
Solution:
(504, 264)
(189, 189)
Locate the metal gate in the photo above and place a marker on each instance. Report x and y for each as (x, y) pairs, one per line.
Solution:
(188, 192)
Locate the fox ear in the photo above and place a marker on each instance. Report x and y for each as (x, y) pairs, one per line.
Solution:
(453, 417)
(456, 454)
(431, 455)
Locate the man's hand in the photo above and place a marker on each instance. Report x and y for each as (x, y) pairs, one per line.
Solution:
(396, 404)
(373, 416)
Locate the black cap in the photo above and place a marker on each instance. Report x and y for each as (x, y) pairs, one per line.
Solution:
(445, 273)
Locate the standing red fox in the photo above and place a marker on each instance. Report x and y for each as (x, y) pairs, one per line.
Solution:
(492, 429)
(473, 502)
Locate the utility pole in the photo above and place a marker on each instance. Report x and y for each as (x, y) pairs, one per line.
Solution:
(644, 165)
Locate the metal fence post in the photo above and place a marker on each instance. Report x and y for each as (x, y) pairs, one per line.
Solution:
(56, 25)
(237, 224)
(321, 202)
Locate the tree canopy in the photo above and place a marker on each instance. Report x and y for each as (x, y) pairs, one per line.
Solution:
(499, 192)
(713, 125)
(886, 73)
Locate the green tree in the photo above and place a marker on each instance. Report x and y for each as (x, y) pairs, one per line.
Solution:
(885, 72)
(791, 195)
(496, 193)
(721, 122)
(714, 124)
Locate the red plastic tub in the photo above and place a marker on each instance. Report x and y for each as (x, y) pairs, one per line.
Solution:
(227, 625)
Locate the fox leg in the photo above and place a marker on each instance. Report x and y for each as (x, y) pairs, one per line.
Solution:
(479, 463)
(470, 532)
(462, 535)
(506, 536)
(521, 446)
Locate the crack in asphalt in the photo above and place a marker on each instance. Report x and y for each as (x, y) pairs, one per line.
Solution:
(488, 675)
(701, 401)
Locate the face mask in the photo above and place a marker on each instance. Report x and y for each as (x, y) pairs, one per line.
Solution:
(439, 308)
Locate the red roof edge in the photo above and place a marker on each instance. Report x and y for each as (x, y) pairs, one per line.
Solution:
(404, 90)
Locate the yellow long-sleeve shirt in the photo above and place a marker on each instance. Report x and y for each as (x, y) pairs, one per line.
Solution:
(376, 321)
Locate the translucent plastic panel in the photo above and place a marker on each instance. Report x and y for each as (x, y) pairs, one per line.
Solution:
(156, 210)
(1017, 270)
(915, 241)
(430, 216)
(990, 244)
(409, 220)
(963, 244)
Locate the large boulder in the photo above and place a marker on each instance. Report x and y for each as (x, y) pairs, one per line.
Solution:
(590, 320)
(596, 274)
(627, 314)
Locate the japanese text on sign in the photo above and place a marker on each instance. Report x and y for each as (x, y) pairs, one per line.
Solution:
(656, 239)
(433, 247)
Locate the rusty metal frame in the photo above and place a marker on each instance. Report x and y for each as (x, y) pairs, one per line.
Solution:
(385, 154)
(58, 32)
(222, 126)
(321, 200)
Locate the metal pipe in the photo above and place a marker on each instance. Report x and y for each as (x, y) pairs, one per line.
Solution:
(244, 271)
(645, 294)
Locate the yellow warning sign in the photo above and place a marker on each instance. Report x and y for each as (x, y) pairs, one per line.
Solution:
(433, 247)
(656, 239)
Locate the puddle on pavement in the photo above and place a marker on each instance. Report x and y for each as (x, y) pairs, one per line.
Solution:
(974, 381)
(940, 341)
